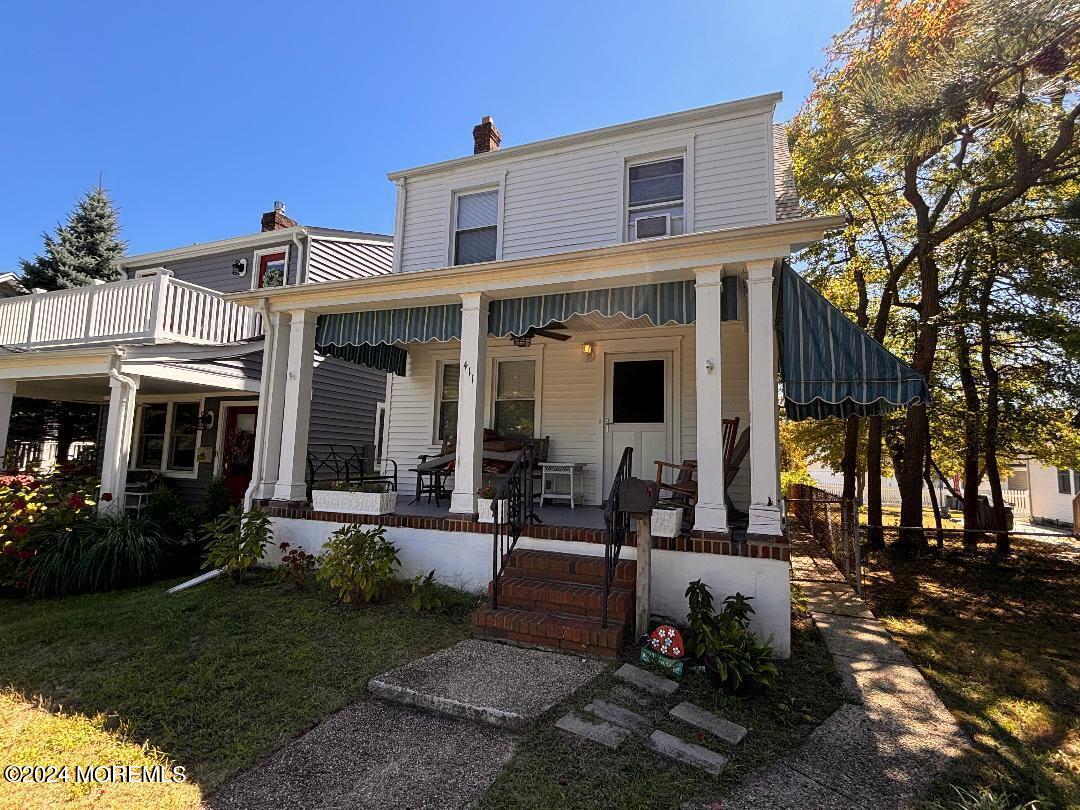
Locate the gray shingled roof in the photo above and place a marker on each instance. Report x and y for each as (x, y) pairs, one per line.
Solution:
(787, 198)
(333, 259)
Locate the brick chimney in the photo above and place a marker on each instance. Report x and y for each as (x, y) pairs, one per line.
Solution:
(485, 137)
(276, 220)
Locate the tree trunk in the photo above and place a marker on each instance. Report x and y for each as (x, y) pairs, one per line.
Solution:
(972, 438)
(64, 435)
(929, 481)
(993, 401)
(850, 463)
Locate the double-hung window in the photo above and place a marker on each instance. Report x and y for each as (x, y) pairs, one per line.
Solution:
(476, 227)
(446, 427)
(1064, 484)
(515, 398)
(168, 436)
(655, 199)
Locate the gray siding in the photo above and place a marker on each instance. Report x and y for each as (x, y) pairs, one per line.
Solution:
(343, 402)
(215, 272)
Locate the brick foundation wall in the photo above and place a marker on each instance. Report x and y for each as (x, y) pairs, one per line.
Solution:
(774, 548)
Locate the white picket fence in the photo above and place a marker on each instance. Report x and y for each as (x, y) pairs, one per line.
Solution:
(154, 307)
(890, 496)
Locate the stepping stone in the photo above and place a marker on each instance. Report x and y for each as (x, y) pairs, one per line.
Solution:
(625, 694)
(603, 733)
(653, 684)
(687, 753)
(631, 721)
(707, 721)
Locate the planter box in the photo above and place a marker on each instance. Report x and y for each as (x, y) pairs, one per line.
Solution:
(666, 522)
(485, 513)
(357, 503)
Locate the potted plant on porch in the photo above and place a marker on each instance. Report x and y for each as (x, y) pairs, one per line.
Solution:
(488, 509)
(354, 497)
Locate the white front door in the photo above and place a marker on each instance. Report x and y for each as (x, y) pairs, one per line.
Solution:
(638, 412)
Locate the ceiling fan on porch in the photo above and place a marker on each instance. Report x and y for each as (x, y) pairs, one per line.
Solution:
(523, 341)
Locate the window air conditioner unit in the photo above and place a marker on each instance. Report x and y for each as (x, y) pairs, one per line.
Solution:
(649, 227)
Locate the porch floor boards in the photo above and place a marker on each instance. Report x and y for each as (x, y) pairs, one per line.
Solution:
(550, 599)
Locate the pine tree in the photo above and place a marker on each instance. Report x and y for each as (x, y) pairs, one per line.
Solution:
(83, 250)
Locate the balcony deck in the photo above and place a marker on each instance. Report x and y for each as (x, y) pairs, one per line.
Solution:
(151, 308)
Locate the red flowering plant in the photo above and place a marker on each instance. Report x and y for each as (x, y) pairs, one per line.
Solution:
(31, 505)
(295, 566)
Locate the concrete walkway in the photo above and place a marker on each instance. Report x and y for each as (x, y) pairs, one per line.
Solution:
(876, 753)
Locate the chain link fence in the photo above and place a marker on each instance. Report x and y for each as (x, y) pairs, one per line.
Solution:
(833, 523)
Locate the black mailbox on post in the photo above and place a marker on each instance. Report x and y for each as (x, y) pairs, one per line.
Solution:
(636, 495)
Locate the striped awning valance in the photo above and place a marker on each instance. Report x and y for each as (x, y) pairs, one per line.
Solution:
(374, 338)
(670, 302)
(830, 366)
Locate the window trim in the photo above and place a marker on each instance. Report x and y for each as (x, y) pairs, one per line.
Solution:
(170, 402)
(1064, 477)
(442, 360)
(257, 258)
(657, 150)
(475, 185)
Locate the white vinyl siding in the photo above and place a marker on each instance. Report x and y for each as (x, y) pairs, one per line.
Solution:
(574, 199)
(1048, 502)
(571, 399)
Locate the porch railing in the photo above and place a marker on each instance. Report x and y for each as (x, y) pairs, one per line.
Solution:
(153, 308)
(516, 491)
(617, 524)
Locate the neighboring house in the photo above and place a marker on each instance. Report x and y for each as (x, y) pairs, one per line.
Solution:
(10, 285)
(1053, 492)
(180, 366)
(593, 292)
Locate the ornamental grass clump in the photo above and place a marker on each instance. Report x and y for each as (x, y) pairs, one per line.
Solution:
(358, 564)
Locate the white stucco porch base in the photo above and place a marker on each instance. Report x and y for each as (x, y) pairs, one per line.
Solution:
(463, 560)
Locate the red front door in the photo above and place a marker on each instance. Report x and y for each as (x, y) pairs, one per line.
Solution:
(238, 450)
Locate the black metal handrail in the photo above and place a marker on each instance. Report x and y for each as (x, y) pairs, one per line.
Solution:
(349, 462)
(617, 524)
(517, 491)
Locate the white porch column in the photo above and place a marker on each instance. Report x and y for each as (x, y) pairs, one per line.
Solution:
(7, 394)
(764, 462)
(118, 430)
(296, 414)
(268, 423)
(710, 514)
(469, 449)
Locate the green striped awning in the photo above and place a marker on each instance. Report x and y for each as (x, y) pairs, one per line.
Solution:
(830, 366)
(378, 338)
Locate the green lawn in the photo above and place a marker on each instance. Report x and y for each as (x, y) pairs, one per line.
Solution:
(215, 678)
(1000, 643)
(552, 770)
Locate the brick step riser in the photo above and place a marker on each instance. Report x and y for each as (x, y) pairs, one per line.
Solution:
(545, 630)
(536, 641)
(564, 598)
(616, 612)
(547, 564)
(621, 582)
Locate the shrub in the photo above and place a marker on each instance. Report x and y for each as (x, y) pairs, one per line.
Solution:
(179, 522)
(217, 500)
(237, 540)
(425, 596)
(358, 563)
(295, 566)
(99, 553)
(734, 658)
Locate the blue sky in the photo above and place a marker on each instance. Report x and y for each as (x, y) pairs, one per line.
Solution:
(199, 115)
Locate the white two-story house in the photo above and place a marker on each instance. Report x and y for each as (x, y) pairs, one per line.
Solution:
(578, 296)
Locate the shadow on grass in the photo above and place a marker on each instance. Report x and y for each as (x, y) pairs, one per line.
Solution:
(218, 676)
(997, 640)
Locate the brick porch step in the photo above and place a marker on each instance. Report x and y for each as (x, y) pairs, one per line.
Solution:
(581, 569)
(566, 598)
(572, 633)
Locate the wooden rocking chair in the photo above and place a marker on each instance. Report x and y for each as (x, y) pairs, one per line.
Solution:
(684, 488)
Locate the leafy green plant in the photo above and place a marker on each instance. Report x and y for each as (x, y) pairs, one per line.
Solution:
(425, 596)
(734, 658)
(99, 553)
(295, 566)
(355, 486)
(216, 501)
(358, 563)
(237, 540)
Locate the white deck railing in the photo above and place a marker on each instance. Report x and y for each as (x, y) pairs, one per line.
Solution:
(151, 308)
(1019, 499)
